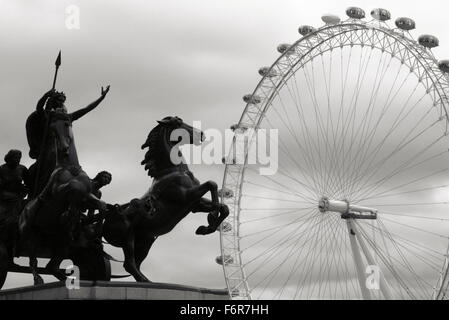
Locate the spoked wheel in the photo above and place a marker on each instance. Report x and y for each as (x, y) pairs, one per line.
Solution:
(358, 207)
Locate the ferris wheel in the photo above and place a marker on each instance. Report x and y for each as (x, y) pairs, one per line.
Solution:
(359, 205)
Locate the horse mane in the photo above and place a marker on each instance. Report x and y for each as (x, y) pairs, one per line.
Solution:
(151, 156)
(156, 159)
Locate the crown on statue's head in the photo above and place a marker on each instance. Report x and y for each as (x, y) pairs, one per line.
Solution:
(58, 96)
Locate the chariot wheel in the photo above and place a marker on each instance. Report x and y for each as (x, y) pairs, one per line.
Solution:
(359, 204)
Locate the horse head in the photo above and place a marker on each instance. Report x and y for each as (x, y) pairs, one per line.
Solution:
(163, 144)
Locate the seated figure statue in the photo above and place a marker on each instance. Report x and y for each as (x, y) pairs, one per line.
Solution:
(13, 177)
(13, 189)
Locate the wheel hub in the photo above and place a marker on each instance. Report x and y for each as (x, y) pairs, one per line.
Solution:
(345, 209)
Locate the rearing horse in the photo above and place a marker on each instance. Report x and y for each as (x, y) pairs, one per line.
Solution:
(54, 213)
(174, 193)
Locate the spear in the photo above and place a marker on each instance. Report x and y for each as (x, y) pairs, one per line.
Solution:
(57, 64)
(44, 137)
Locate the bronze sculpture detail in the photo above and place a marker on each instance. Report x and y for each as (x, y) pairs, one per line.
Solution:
(54, 210)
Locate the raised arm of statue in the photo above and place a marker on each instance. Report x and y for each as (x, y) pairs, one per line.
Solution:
(79, 113)
(41, 103)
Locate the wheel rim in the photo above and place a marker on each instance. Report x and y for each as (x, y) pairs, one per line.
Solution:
(361, 113)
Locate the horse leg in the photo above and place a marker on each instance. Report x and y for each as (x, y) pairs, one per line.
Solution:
(214, 218)
(130, 260)
(224, 213)
(33, 267)
(195, 194)
(31, 240)
(53, 268)
(141, 251)
(59, 251)
(68, 222)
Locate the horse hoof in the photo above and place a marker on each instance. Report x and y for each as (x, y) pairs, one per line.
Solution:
(142, 278)
(38, 280)
(212, 217)
(57, 274)
(60, 276)
(202, 230)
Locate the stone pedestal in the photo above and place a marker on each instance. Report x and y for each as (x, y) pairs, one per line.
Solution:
(105, 290)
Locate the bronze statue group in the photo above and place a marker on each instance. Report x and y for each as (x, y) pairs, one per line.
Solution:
(54, 209)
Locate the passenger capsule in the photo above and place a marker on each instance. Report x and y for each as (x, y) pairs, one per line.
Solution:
(444, 65)
(305, 30)
(252, 99)
(225, 193)
(355, 13)
(239, 128)
(428, 41)
(267, 72)
(235, 292)
(330, 19)
(284, 47)
(226, 259)
(381, 14)
(226, 226)
(406, 24)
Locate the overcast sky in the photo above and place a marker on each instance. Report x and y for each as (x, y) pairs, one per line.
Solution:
(194, 59)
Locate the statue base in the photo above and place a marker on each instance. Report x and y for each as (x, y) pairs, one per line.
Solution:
(106, 290)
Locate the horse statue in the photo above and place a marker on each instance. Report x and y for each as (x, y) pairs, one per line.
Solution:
(52, 217)
(174, 193)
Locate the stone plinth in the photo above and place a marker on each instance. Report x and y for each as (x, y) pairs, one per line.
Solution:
(105, 290)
